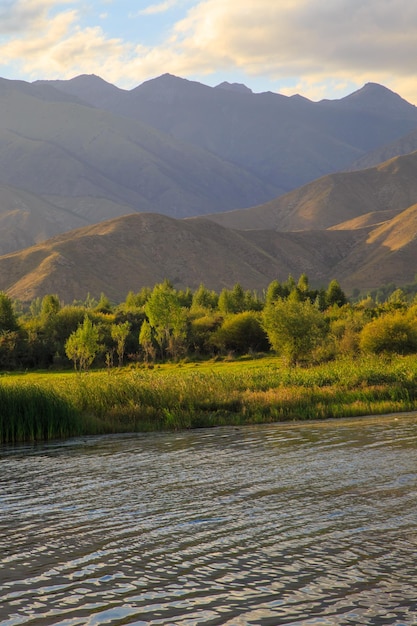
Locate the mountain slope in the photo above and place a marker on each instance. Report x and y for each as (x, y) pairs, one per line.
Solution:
(285, 141)
(388, 255)
(26, 219)
(139, 250)
(53, 146)
(334, 199)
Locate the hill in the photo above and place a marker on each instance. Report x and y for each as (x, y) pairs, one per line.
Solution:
(334, 199)
(140, 250)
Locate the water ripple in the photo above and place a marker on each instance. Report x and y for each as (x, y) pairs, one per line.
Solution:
(301, 524)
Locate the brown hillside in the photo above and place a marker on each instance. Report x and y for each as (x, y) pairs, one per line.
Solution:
(334, 199)
(388, 254)
(139, 250)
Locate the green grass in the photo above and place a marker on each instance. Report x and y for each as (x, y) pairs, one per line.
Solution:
(191, 395)
(29, 412)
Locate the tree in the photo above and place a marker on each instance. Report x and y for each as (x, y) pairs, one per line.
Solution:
(168, 319)
(8, 317)
(146, 340)
(294, 328)
(232, 300)
(104, 304)
(389, 334)
(274, 291)
(204, 298)
(82, 345)
(119, 334)
(335, 294)
(241, 332)
(50, 306)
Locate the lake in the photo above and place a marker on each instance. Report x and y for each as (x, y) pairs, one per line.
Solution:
(301, 524)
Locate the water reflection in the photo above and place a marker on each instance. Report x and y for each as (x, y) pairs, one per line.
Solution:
(287, 524)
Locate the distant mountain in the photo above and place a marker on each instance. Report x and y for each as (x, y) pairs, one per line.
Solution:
(118, 166)
(53, 145)
(334, 199)
(399, 147)
(26, 219)
(139, 250)
(238, 87)
(285, 141)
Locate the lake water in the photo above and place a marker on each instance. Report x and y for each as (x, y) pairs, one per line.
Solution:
(302, 524)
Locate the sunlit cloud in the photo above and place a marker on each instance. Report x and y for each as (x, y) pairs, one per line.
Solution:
(306, 46)
(161, 7)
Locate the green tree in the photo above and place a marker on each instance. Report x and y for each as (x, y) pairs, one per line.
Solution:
(294, 328)
(335, 294)
(168, 319)
(119, 334)
(204, 298)
(8, 317)
(82, 345)
(241, 332)
(9, 332)
(232, 300)
(50, 306)
(391, 333)
(274, 291)
(9, 343)
(146, 340)
(104, 304)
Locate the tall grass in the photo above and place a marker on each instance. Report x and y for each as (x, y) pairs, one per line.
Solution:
(31, 413)
(191, 396)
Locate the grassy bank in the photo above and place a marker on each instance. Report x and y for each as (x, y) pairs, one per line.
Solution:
(50, 405)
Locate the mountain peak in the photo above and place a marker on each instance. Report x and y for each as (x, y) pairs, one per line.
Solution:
(373, 95)
(237, 87)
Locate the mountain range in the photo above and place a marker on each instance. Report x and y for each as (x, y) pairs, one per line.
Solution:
(107, 190)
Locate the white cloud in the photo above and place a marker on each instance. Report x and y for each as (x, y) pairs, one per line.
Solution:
(161, 7)
(310, 42)
(301, 45)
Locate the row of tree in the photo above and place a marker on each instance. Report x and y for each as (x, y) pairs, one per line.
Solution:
(294, 320)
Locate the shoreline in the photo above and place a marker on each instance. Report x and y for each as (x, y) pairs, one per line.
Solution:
(49, 405)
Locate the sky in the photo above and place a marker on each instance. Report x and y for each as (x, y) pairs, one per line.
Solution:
(317, 48)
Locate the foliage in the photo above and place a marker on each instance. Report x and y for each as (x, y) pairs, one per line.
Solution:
(392, 333)
(168, 319)
(8, 318)
(119, 334)
(204, 298)
(82, 345)
(302, 323)
(294, 328)
(242, 333)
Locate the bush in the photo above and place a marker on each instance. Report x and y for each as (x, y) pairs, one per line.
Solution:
(389, 334)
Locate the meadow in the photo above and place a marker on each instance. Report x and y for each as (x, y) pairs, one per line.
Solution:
(48, 405)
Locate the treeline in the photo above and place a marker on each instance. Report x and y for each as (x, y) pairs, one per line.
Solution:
(297, 322)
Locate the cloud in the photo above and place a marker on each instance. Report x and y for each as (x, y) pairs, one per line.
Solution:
(303, 37)
(309, 43)
(50, 43)
(308, 46)
(23, 15)
(161, 7)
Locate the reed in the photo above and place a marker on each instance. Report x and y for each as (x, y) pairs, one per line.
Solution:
(31, 413)
(212, 394)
